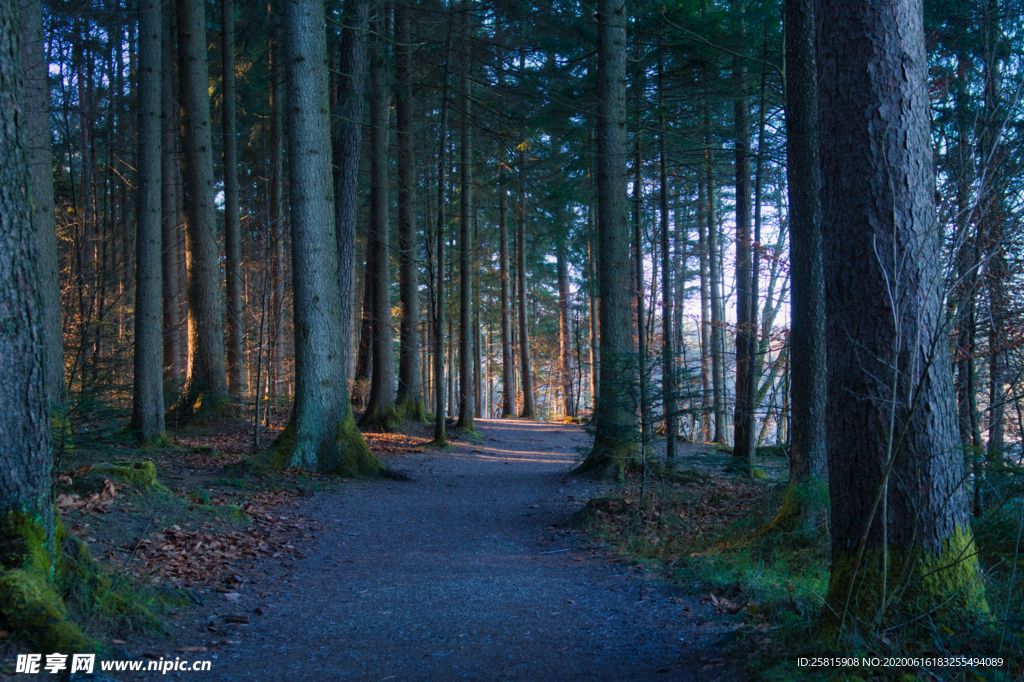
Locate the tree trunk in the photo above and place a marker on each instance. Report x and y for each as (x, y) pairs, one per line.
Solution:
(321, 435)
(169, 205)
(807, 455)
(565, 365)
(348, 136)
(508, 380)
(638, 278)
(615, 438)
(440, 437)
(34, 67)
(26, 506)
(529, 400)
(276, 199)
(206, 383)
(746, 323)
(380, 407)
(147, 420)
(901, 543)
(706, 354)
(467, 380)
(232, 232)
(715, 282)
(410, 389)
(668, 389)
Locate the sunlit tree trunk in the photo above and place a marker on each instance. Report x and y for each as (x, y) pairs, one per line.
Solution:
(169, 205)
(206, 383)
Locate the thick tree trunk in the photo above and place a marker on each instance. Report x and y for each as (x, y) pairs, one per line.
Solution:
(380, 407)
(901, 543)
(40, 157)
(147, 390)
(348, 135)
(746, 322)
(615, 438)
(169, 205)
(467, 380)
(410, 389)
(232, 232)
(206, 383)
(25, 448)
(321, 434)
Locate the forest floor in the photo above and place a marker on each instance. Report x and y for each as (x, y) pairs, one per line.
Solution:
(464, 572)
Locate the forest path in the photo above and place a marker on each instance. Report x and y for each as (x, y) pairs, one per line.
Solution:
(460, 575)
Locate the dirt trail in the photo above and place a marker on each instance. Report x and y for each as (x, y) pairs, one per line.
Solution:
(459, 575)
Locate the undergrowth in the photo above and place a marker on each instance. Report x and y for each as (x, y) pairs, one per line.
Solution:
(712, 536)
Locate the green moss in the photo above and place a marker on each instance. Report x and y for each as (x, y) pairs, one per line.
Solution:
(411, 409)
(30, 604)
(758, 474)
(610, 458)
(946, 587)
(356, 458)
(346, 455)
(139, 474)
(388, 418)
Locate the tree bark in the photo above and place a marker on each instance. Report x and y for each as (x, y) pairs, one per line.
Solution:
(25, 448)
(715, 295)
(380, 407)
(40, 157)
(615, 438)
(901, 543)
(410, 389)
(147, 420)
(232, 232)
(206, 383)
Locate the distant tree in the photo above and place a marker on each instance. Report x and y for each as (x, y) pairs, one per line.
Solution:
(232, 231)
(467, 380)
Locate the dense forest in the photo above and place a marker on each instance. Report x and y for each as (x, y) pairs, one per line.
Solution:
(759, 228)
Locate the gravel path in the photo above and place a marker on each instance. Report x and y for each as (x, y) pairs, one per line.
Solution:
(460, 575)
